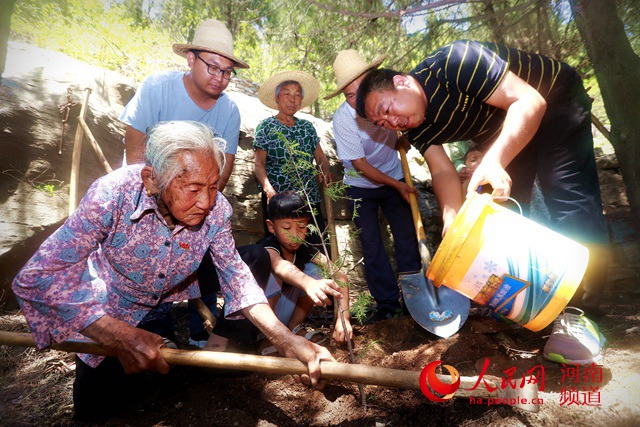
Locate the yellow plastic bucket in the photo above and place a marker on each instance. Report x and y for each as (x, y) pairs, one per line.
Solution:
(522, 270)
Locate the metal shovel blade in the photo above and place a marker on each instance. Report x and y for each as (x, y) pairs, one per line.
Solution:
(441, 311)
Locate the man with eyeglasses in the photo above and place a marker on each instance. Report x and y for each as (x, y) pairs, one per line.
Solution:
(195, 95)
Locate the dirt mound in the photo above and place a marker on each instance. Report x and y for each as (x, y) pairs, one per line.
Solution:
(36, 386)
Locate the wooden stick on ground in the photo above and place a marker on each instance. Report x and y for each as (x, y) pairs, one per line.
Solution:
(361, 374)
(94, 144)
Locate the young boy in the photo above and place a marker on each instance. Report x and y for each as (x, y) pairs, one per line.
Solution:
(375, 182)
(472, 159)
(296, 292)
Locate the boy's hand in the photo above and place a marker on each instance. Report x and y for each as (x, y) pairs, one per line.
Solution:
(339, 333)
(319, 291)
(465, 173)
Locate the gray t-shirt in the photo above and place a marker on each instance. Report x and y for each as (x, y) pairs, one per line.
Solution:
(163, 97)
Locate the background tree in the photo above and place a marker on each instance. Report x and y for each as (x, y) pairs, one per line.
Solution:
(6, 10)
(134, 37)
(617, 68)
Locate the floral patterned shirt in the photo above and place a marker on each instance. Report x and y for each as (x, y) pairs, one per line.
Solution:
(116, 256)
(268, 137)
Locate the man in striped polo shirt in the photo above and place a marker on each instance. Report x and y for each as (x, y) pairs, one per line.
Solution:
(533, 114)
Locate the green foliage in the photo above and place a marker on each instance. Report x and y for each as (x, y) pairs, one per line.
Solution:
(299, 162)
(40, 182)
(48, 189)
(371, 345)
(84, 29)
(134, 37)
(629, 11)
(361, 306)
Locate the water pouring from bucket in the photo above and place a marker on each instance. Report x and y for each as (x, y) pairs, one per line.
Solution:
(520, 269)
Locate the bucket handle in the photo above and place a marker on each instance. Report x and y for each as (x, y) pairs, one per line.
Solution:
(514, 201)
(508, 198)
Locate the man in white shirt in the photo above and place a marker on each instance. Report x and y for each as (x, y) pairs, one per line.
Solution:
(373, 173)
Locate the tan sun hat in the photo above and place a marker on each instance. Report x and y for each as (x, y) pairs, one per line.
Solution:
(310, 87)
(348, 66)
(211, 36)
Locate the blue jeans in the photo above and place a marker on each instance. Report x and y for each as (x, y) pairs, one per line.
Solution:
(381, 279)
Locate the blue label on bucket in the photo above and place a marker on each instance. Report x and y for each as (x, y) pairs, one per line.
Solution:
(502, 301)
(509, 263)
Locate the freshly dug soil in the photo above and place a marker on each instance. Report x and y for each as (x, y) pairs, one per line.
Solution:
(36, 386)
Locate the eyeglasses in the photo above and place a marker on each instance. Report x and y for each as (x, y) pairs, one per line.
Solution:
(214, 70)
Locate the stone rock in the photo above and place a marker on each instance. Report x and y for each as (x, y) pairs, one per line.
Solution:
(35, 175)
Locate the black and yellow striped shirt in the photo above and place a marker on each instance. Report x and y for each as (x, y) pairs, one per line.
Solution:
(460, 77)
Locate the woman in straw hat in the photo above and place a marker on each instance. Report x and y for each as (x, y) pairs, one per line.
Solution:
(288, 92)
(373, 173)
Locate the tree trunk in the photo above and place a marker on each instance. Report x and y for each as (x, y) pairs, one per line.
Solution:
(493, 23)
(6, 10)
(616, 66)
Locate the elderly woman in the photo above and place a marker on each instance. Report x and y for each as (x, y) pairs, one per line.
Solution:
(135, 242)
(288, 92)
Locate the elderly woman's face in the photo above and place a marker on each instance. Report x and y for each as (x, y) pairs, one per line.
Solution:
(192, 193)
(289, 99)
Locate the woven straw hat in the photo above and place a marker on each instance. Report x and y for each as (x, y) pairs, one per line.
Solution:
(211, 36)
(348, 66)
(309, 84)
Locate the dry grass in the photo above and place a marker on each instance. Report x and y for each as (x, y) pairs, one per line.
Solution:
(36, 385)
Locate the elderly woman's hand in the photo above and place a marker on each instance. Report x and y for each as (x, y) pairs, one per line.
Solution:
(270, 192)
(311, 354)
(289, 344)
(136, 349)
